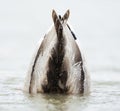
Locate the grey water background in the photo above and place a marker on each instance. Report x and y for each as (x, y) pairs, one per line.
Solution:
(96, 24)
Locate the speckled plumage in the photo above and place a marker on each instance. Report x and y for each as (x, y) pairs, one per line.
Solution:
(58, 65)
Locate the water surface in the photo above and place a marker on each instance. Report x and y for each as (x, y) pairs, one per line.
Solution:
(105, 95)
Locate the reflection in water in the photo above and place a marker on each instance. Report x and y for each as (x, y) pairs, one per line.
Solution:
(57, 102)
